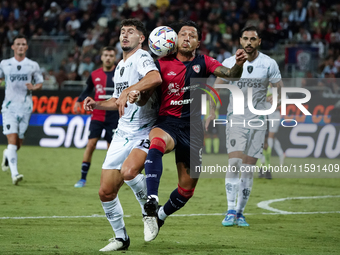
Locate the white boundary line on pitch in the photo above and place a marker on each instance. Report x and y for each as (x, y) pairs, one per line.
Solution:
(263, 205)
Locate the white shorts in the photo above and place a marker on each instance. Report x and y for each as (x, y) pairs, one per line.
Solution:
(15, 123)
(274, 125)
(121, 146)
(249, 141)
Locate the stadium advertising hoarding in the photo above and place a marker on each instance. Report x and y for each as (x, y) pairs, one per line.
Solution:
(54, 124)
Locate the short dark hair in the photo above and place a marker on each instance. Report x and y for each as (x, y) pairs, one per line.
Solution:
(108, 48)
(134, 22)
(177, 27)
(250, 28)
(19, 36)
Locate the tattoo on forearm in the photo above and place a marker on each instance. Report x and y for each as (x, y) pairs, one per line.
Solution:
(224, 72)
(236, 71)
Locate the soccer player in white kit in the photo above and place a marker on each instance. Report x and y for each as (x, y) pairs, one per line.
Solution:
(245, 142)
(128, 150)
(19, 73)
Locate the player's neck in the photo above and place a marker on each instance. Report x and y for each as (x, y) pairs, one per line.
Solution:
(105, 69)
(127, 54)
(19, 58)
(253, 56)
(185, 57)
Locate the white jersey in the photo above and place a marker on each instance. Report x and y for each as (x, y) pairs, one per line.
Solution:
(17, 97)
(256, 75)
(128, 73)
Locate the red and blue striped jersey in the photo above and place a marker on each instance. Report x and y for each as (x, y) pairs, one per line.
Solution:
(181, 89)
(103, 84)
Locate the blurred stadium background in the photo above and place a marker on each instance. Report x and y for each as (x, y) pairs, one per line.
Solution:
(65, 38)
(47, 215)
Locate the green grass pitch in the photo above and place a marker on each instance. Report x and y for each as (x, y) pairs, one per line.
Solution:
(47, 190)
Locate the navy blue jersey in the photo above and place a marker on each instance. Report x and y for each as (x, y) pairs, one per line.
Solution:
(181, 95)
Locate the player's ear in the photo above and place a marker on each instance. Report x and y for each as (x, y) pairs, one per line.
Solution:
(142, 38)
(260, 41)
(198, 44)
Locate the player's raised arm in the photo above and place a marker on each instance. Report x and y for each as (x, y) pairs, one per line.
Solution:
(108, 105)
(150, 81)
(236, 70)
(32, 87)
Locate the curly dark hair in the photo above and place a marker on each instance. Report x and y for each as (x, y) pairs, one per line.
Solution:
(134, 22)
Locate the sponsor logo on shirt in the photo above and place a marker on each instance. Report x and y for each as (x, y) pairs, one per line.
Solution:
(121, 86)
(181, 102)
(18, 77)
(171, 73)
(97, 79)
(99, 88)
(147, 63)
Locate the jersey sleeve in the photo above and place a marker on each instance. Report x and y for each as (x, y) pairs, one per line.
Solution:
(88, 90)
(115, 90)
(228, 62)
(37, 75)
(145, 64)
(274, 72)
(211, 64)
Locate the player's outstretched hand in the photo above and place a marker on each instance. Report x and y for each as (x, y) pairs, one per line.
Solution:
(134, 96)
(122, 102)
(77, 107)
(241, 57)
(89, 104)
(211, 117)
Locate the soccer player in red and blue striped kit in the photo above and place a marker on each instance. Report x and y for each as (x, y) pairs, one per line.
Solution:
(100, 80)
(179, 123)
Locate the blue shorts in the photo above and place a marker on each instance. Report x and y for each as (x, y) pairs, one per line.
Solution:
(188, 138)
(97, 127)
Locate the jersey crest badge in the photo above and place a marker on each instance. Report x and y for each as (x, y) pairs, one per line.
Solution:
(18, 67)
(250, 69)
(122, 71)
(196, 68)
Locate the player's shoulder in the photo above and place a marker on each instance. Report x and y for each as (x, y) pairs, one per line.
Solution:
(7, 61)
(229, 61)
(97, 71)
(266, 58)
(167, 59)
(32, 62)
(140, 53)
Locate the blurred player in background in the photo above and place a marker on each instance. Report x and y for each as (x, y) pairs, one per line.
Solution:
(100, 80)
(211, 139)
(245, 142)
(22, 76)
(271, 141)
(179, 124)
(128, 150)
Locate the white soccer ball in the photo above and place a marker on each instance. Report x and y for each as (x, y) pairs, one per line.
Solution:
(163, 41)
